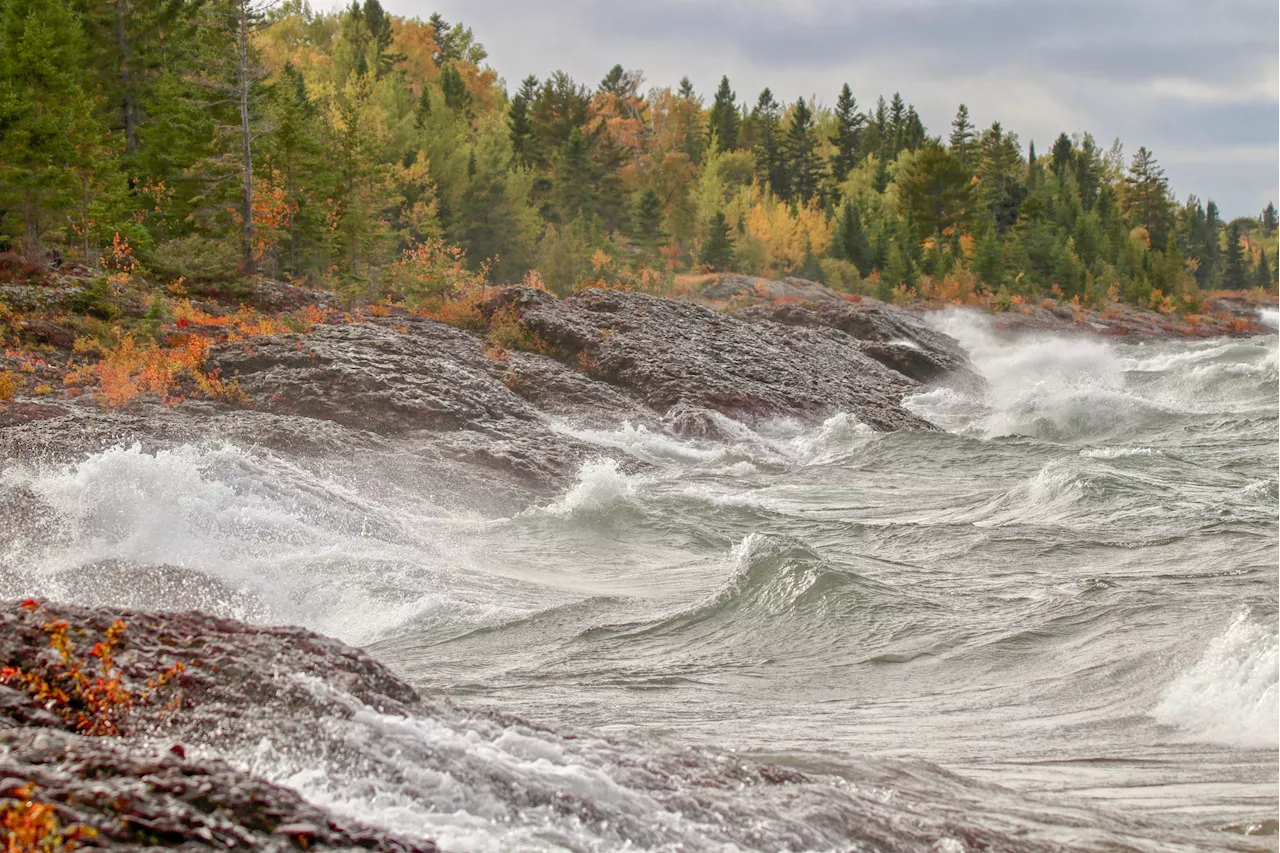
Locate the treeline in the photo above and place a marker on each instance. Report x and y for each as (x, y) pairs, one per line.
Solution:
(212, 139)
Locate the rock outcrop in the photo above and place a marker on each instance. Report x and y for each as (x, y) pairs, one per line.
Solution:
(671, 354)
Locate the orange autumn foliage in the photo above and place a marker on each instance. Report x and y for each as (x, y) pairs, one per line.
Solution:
(30, 826)
(91, 698)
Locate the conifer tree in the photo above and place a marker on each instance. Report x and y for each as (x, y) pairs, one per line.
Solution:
(686, 90)
(1262, 276)
(1146, 200)
(848, 134)
(850, 241)
(1234, 275)
(717, 249)
(575, 177)
(771, 161)
(961, 141)
(724, 120)
(45, 116)
(805, 167)
(1268, 219)
(646, 222)
(519, 122)
(1061, 155)
(896, 128)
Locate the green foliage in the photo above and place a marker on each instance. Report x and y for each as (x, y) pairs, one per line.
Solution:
(329, 147)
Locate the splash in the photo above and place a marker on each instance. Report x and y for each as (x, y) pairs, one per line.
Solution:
(1230, 695)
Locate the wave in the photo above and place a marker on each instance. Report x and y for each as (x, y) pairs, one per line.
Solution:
(1119, 452)
(1269, 317)
(601, 486)
(241, 533)
(1230, 695)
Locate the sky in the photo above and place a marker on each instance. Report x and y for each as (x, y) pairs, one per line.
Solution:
(1195, 81)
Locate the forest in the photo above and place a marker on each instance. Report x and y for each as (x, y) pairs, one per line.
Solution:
(380, 157)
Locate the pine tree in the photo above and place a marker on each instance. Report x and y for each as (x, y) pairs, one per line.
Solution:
(646, 222)
(1146, 199)
(44, 112)
(848, 134)
(896, 128)
(961, 141)
(1000, 174)
(454, 90)
(805, 167)
(686, 90)
(518, 120)
(1234, 276)
(934, 190)
(771, 162)
(1268, 219)
(575, 177)
(1061, 155)
(1262, 272)
(724, 121)
(850, 240)
(717, 249)
(913, 132)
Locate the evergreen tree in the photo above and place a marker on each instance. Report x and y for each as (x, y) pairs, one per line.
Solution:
(850, 241)
(44, 113)
(896, 129)
(646, 222)
(454, 90)
(1234, 275)
(771, 161)
(724, 120)
(934, 190)
(961, 141)
(521, 125)
(999, 172)
(1061, 155)
(575, 177)
(686, 90)
(805, 167)
(717, 249)
(1262, 271)
(1146, 200)
(848, 132)
(913, 133)
(1268, 219)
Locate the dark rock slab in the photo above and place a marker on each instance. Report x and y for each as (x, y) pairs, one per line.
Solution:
(669, 353)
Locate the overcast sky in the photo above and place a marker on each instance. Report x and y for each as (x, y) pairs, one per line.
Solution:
(1193, 80)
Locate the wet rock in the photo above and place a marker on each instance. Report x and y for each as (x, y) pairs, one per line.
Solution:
(750, 288)
(899, 339)
(668, 353)
(410, 377)
(129, 797)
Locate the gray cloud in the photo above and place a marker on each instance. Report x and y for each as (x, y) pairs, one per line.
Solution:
(1193, 80)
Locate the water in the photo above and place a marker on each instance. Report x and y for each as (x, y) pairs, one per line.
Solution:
(1059, 617)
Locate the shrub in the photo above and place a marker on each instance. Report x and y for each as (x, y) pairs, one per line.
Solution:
(29, 825)
(87, 691)
(196, 258)
(8, 385)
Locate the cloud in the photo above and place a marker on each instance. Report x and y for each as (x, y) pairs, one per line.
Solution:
(1173, 75)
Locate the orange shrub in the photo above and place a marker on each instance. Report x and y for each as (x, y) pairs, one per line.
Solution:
(94, 703)
(8, 385)
(27, 825)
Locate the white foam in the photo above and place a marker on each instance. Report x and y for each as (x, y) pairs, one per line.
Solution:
(600, 485)
(1230, 695)
(1119, 452)
(1269, 317)
(284, 544)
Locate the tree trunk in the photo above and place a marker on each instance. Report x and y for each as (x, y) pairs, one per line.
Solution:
(130, 132)
(247, 203)
(32, 247)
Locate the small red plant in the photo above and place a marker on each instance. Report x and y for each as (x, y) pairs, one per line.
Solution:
(87, 691)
